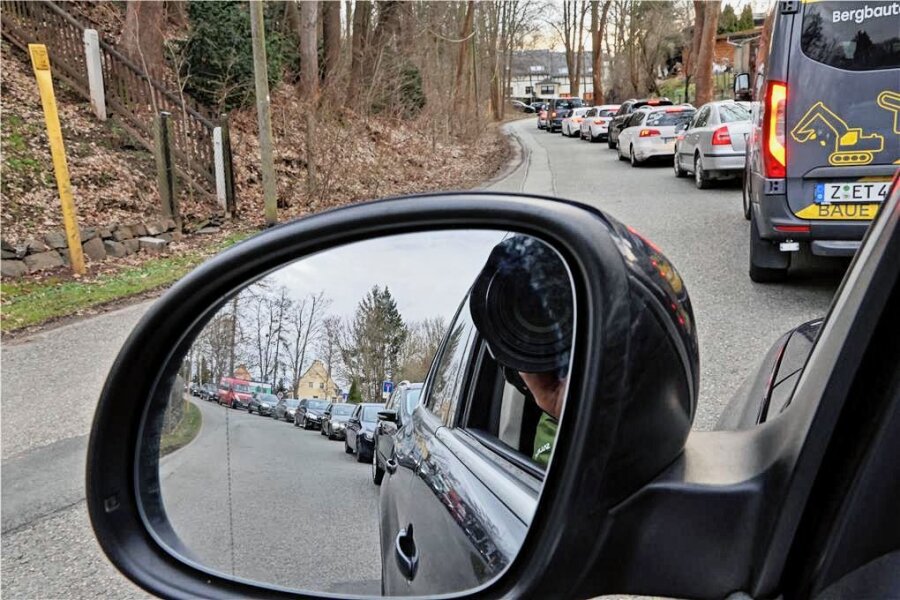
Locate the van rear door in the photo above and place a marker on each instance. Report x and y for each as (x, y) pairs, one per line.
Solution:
(842, 126)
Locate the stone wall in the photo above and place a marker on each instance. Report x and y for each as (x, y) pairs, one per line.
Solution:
(51, 250)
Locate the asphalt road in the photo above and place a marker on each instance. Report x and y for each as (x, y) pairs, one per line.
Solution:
(266, 501)
(51, 381)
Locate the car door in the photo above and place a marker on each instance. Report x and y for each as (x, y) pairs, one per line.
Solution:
(385, 430)
(586, 122)
(353, 426)
(692, 137)
(628, 131)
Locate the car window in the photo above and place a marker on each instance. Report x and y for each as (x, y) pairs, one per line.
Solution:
(702, 117)
(635, 119)
(500, 411)
(445, 379)
(369, 414)
(733, 113)
(606, 112)
(591, 113)
(412, 399)
(664, 118)
(851, 36)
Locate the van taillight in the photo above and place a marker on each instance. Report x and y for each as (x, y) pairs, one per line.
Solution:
(774, 155)
(721, 137)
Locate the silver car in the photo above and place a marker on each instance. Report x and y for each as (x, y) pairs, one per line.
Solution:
(650, 132)
(714, 144)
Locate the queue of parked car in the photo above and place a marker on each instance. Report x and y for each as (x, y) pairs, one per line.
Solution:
(708, 143)
(367, 429)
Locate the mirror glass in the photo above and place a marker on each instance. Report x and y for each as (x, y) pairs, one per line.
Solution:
(375, 419)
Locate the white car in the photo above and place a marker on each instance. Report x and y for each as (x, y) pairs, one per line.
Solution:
(650, 133)
(595, 125)
(571, 125)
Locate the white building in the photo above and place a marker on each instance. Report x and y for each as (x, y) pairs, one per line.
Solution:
(543, 74)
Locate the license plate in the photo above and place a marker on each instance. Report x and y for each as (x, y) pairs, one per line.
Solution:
(667, 140)
(847, 211)
(863, 192)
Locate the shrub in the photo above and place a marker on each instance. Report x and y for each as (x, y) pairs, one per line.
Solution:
(218, 55)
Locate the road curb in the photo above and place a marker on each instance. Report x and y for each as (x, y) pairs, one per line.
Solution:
(519, 156)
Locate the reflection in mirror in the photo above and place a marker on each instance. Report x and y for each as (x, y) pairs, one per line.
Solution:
(373, 419)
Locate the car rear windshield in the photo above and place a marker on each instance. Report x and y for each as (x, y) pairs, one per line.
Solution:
(606, 112)
(733, 113)
(663, 118)
(567, 104)
(856, 36)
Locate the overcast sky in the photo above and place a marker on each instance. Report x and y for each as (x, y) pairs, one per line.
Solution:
(427, 273)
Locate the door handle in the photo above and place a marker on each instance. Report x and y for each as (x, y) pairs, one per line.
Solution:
(391, 466)
(406, 553)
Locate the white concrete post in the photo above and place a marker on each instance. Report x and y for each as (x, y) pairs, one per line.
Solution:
(219, 159)
(95, 72)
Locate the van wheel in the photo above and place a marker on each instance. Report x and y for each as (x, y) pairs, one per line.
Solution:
(767, 263)
(745, 192)
(701, 179)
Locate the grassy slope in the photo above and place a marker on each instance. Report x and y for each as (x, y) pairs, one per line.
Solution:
(27, 303)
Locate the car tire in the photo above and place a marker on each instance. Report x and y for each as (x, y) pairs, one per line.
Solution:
(594, 139)
(767, 263)
(679, 172)
(745, 193)
(377, 472)
(701, 180)
(633, 159)
(347, 447)
(613, 144)
(359, 453)
(619, 153)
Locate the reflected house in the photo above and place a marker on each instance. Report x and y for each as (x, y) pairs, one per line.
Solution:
(316, 384)
(242, 373)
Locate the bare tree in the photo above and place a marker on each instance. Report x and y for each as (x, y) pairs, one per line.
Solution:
(704, 66)
(309, 83)
(598, 32)
(142, 34)
(569, 26)
(331, 39)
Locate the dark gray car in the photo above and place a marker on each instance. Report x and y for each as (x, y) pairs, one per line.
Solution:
(262, 404)
(285, 409)
(334, 421)
(826, 140)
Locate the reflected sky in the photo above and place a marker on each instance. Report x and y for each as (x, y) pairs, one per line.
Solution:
(427, 273)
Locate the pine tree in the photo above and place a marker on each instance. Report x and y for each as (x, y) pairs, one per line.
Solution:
(728, 21)
(354, 397)
(745, 21)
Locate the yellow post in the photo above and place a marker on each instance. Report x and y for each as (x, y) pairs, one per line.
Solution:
(41, 63)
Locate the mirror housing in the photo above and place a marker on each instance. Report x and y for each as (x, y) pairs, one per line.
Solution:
(387, 415)
(631, 401)
(741, 87)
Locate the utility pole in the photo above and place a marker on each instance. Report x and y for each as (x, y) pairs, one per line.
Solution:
(263, 112)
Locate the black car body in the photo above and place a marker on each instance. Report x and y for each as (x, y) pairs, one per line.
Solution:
(209, 391)
(625, 109)
(334, 421)
(309, 413)
(558, 109)
(359, 434)
(285, 409)
(262, 404)
(825, 140)
(396, 413)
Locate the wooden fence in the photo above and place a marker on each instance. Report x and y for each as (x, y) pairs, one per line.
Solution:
(131, 94)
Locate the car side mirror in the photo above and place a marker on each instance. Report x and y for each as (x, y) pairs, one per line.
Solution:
(741, 88)
(630, 368)
(387, 415)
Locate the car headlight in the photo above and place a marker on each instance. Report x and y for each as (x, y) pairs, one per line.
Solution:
(369, 436)
(339, 425)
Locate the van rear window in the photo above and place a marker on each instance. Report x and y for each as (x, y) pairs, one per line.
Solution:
(856, 36)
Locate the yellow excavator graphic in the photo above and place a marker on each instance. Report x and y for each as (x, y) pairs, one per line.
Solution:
(889, 100)
(851, 145)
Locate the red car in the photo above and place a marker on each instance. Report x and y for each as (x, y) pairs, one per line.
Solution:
(234, 393)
